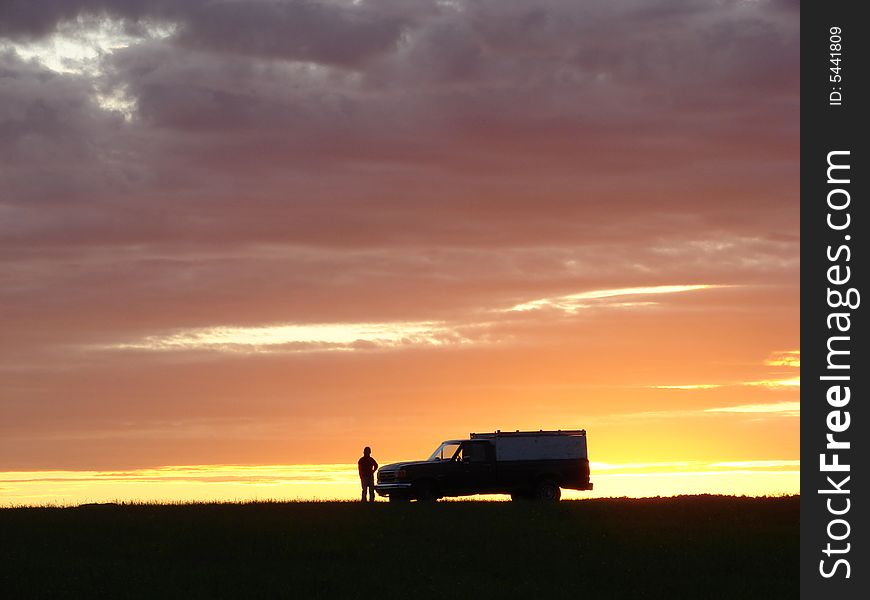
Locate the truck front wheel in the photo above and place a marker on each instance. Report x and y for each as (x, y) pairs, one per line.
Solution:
(547, 491)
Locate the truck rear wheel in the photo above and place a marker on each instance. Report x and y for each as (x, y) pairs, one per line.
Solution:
(425, 492)
(547, 491)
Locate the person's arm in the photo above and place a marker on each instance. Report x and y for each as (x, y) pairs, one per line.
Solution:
(374, 465)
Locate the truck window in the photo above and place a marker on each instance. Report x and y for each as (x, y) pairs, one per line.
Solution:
(475, 452)
(445, 451)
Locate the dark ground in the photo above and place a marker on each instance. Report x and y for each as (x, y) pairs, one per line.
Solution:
(686, 547)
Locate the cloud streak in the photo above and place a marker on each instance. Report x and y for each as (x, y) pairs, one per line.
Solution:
(785, 358)
(573, 302)
(314, 337)
(386, 335)
(787, 409)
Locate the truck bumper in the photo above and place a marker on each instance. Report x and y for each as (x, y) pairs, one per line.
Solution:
(385, 489)
(583, 486)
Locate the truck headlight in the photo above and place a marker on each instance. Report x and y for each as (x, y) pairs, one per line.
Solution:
(400, 474)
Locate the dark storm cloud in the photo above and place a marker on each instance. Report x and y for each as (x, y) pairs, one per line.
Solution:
(324, 32)
(558, 82)
(493, 125)
(489, 124)
(47, 117)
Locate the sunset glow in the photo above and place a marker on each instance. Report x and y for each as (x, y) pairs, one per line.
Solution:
(268, 234)
(238, 483)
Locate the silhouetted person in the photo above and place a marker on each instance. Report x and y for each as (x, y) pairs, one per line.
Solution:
(367, 467)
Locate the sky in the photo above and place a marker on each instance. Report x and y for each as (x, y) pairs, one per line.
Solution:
(251, 237)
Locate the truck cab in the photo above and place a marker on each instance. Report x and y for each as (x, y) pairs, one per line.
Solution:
(524, 464)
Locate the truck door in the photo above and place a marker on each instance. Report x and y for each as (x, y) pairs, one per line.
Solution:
(476, 467)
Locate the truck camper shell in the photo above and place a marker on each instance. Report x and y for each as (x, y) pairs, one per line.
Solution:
(524, 464)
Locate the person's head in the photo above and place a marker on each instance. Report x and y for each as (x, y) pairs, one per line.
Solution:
(367, 451)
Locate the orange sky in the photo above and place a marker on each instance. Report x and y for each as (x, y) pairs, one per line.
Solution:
(389, 224)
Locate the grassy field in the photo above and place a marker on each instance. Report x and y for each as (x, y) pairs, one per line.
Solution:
(685, 547)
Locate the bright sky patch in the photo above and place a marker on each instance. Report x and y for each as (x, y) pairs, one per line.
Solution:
(781, 408)
(326, 336)
(574, 302)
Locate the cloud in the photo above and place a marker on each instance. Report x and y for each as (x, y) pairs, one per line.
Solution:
(575, 302)
(318, 337)
(784, 358)
(767, 383)
(776, 383)
(314, 337)
(769, 409)
(790, 409)
(689, 386)
(336, 33)
(789, 358)
(217, 120)
(758, 464)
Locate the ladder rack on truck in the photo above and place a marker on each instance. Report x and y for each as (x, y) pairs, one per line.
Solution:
(500, 433)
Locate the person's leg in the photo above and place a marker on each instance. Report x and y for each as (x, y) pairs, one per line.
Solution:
(363, 490)
(371, 492)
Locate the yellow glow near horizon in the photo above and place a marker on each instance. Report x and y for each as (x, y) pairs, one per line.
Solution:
(206, 483)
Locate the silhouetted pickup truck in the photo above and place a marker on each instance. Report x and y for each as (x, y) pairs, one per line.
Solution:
(524, 464)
